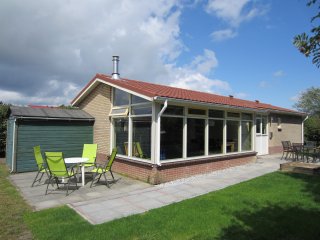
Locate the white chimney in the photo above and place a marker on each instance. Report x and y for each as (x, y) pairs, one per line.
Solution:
(115, 74)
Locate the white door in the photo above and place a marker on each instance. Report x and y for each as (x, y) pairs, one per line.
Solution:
(261, 143)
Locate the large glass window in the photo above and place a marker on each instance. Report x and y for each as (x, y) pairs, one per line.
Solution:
(195, 137)
(171, 138)
(258, 125)
(135, 99)
(215, 136)
(264, 125)
(141, 137)
(121, 135)
(173, 110)
(216, 113)
(140, 110)
(246, 136)
(120, 97)
(232, 136)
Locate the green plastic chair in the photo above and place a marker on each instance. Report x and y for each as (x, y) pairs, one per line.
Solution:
(90, 151)
(139, 150)
(100, 170)
(58, 170)
(42, 168)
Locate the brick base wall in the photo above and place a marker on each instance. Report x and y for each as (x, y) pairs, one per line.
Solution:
(171, 171)
(275, 149)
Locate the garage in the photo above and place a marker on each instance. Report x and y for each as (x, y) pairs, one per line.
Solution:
(54, 129)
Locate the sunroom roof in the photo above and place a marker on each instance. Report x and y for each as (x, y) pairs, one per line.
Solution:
(151, 90)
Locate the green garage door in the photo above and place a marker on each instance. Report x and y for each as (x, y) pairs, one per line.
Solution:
(63, 136)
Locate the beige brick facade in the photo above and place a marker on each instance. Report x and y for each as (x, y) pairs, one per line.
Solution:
(291, 130)
(98, 105)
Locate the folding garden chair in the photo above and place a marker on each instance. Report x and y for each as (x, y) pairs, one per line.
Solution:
(90, 151)
(100, 170)
(58, 170)
(42, 168)
(139, 150)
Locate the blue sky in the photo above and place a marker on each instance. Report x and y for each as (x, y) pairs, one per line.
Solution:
(51, 49)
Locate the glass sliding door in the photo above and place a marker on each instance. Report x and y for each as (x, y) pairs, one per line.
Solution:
(232, 136)
(195, 137)
(141, 137)
(121, 135)
(246, 135)
(215, 136)
(171, 138)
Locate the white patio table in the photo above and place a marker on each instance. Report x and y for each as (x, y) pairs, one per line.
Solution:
(79, 161)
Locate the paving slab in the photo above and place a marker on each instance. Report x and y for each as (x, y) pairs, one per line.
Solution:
(126, 196)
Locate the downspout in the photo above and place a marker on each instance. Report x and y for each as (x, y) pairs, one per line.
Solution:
(13, 146)
(302, 130)
(159, 132)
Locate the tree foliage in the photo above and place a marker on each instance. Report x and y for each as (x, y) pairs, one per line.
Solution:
(310, 45)
(4, 112)
(309, 101)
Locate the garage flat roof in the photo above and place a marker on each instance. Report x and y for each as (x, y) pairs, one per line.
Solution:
(49, 113)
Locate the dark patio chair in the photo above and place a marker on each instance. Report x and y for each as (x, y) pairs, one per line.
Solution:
(298, 151)
(102, 169)
(42, 167)
(287, 149)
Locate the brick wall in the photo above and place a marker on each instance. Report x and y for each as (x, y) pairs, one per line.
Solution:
(98, 104)
(171, 171)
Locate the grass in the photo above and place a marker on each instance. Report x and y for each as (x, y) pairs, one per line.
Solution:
(12, 210)
(274, 206)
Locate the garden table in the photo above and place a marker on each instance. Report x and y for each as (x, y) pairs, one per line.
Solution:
(79, 162)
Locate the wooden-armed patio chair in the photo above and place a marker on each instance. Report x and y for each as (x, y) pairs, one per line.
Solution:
(42, 167)
(58, 170)
(90, 151)
(102, 169)
(287, 149)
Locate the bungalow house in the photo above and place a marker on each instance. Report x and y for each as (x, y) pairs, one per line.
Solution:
(164, 133)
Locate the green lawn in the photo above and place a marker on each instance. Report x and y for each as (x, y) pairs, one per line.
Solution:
(274, 206)
(12, 210)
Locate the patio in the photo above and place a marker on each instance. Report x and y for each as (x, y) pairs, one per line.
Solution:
(35, 196)
(127, 196)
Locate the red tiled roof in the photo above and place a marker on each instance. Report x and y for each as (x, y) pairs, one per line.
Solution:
(157, 90)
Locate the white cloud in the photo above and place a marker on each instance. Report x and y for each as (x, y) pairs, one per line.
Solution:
(263, 84)
(241, 95)
(234, 12)
(199, 82)
(204, 63)
(224, 34)
(278, 73)
(194, 77)
(63, 44)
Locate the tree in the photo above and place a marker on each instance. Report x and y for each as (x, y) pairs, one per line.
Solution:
(310, 45)
(4, 111)
(309, 101)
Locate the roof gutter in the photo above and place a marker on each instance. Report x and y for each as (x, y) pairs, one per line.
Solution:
(159, 132)
(175, 100)
(49, 118)
(302, 129)
(13, 160)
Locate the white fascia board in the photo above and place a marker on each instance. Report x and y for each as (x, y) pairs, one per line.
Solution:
(208, 105)
(85, 92)
(97, 80)
(125, 90)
